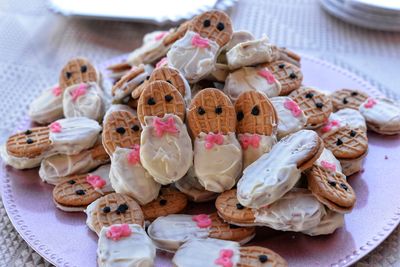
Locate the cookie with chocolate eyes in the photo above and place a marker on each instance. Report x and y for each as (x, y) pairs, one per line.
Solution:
(173, 77)
(31, 143)
(112, 209)
(316, 105)
(121, 129)
(160, 98)
(289, 76)
(78, 70)
(255, 114)
(211, 111)
(348, 98)
(214, 25)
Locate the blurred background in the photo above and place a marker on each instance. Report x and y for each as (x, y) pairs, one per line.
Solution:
(37, 37)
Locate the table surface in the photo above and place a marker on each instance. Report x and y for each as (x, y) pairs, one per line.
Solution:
(34, 44)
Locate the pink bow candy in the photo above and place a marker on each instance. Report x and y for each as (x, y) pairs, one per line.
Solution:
(81, 90)
(202, 220)
(370, 103)
(55, 127)
(200, 42)
(330, 125)
(162, 127)
(159, 36)
(134, 155)
(329, 166)
(56, 91)
(116, 232)
(95, 181)
(225, 258)
(266, 74)
(250, 140)
(162, 62)
(293, 107)
(213, 139)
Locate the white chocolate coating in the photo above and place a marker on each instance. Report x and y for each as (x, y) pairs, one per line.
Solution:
(251, 153)
(47, 107)
(329, 223)
(122, 92)
(238, 37)
(19, 163)
(328, 156)
(104, 172)
(218, 168)
(351, 117)
(351, 166)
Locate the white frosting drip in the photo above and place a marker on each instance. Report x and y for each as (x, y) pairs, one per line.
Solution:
(76, 134)
(204, 252)
(90, 105)
(193, 62)
(249, 53)
(328, 156)
(132, 179)
(122, 92)
(297, 211)
(329, 223)
(19, 163)
(248, 79)
(46, 107)
(287, 123)
(251, 153)
(169, 157)
(136, 250)
(170, 232)
(218, 168)
(275, 173)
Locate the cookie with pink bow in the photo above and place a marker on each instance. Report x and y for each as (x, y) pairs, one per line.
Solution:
(165, 145)
(256, 125)
(78, 70)
(214, 252)
(195, 54)
(170, 232)
(217, 152)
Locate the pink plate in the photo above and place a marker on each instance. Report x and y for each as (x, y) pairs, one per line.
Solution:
(63, 238)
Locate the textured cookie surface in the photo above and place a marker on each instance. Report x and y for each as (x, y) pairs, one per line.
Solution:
(171, 76)
(77, 70)
(348, 98)
(30, 143)
(255, 256)
(222, 230)
(289, 76)
(123, 83)
(231, 210)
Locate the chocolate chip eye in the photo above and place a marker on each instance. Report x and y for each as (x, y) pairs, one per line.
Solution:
(68, 75)
(339, 142)
(255, 111)
(163, 202)
(206, 23)
(168, 81)
(292, 76)
(201, 111)
(80, 192)
(148, 77)
(135, 128)
(354, 93)
(332, 183)
(28, 132)
(220, 26)
(218, 110)
(239, 115)
(281, 66)
(120, 130)
(83, 69)
(352, 133)
(263, 258)
(168, 98)
(345, 101)
(106, 209)
(151, 101)
(239, 206)
(309, 95)
(71, 182)
(122, 208)
(319, 105)
(29, 141)
(342, 185)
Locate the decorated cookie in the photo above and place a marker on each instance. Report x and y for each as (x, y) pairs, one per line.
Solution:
(284, 54)
(84, 100)
(125, 245)
(290, 116)
(176, 33)
(76, 71)
(170, 232)
(213, 252)
(251, 79)
(170, 201)
(121, 129)
(217, 152)
(256, 125)
(382, 115)
(47, 107)
(74, 193)
(118, 107)
(288, 75)
(315, 105)
(273, 174)
(66, 136)
(329, 223)
(18, 162)
(348, 98)
(112, 209)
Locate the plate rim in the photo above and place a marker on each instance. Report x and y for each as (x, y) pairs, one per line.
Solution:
(346, 260)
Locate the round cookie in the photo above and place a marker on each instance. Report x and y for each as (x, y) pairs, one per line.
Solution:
(171, 76)
(31, 143)
(121, 129)
(255, 114)
(160, 98)
(214, 25)
(348, 98)
(77, 70)
(315, 105)
(211, 111)
(260, 256)
(289, 76)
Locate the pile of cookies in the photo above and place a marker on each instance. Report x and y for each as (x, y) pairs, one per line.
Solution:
(200, 113)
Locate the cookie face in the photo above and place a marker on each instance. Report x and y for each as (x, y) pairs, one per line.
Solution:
(30, 143)
(231, 210)
(121, 129)
(289, 76)
(260, 256)
(77, 70)
(211, 111)
(171, 76)
(170, 201)
(214, 25)
(255, 114)
(160, 98)
(348, 98)
(315, 105)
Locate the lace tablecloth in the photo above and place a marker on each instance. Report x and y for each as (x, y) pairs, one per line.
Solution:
(34, 43)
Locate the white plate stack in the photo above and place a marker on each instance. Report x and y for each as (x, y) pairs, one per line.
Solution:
(373, 14)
